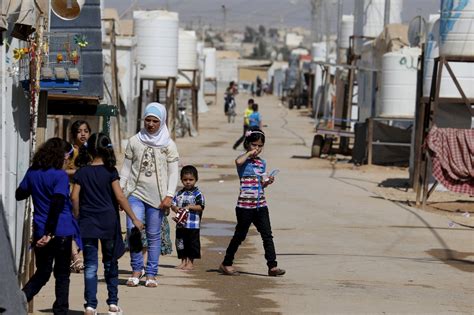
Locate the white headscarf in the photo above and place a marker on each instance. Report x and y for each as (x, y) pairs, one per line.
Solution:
(161, 138)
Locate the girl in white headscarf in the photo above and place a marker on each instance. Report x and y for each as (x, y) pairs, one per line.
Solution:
(149, 177)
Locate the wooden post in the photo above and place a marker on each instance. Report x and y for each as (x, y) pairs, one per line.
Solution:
(139, 107)
(42, 118)
(171, 105)
(370, 139)
(194, 101)
(419, 111)
(115, 83)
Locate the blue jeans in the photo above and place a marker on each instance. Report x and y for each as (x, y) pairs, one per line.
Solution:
(90, 270)
(152, 218)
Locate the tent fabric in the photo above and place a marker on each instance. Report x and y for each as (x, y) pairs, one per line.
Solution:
(452, 153)
(17, 11)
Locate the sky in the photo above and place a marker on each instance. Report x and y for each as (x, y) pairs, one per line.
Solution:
(239, 13)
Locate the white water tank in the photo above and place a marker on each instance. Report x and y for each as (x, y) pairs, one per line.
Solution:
(347, 29)
(369, 18)
(457, 28)
(464, 71)
(187, 50)
(157, 43)
(210, 65)
(318, 50)
(399, 75)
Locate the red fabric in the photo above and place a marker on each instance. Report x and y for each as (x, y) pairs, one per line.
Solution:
(452, 153)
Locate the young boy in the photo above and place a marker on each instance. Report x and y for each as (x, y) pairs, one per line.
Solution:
(190, 198)
(255, 119)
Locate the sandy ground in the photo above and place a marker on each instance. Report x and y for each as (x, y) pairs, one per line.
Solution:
(349, 244)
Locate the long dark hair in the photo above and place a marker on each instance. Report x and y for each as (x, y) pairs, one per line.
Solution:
(52, 154)
(98, 145)
(75, 129)
(253, 135)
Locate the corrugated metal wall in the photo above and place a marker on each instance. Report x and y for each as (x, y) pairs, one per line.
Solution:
(89, 24)
(14, 145)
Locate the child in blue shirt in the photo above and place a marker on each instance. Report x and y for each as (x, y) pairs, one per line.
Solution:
(190, 198)
(54, 226)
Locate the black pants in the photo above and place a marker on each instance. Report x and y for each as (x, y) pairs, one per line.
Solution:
(260, 218)
(58, 251)
(188, 244)
(242, 138)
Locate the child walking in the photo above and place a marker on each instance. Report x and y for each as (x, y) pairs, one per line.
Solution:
(96, 196)
(252, 205)
(190, 198)
(54, 227)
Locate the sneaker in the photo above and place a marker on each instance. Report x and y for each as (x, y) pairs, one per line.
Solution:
(275, 271)
(115, 310)
(90, 311)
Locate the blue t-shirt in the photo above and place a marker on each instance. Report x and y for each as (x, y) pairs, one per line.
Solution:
(42, 185)
(254, 120)
(97, 203)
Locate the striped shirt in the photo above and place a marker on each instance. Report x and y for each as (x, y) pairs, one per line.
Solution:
(192, 197)
(251, 194)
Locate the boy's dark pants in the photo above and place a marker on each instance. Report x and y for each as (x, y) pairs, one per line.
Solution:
(188, 243)
(260, 218)
(58, 250)
(242, 138)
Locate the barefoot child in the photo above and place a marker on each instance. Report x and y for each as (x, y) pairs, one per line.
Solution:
(96, 196)
(191, 199)
(251, 204)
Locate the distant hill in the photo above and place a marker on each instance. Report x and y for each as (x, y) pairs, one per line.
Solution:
(275, 13)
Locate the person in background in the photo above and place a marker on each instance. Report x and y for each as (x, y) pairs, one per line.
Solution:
(255, 119)
(79, 133)
(96, 196)
(259, 86)
(247, 113)
(229, 96)
(149, 177)
(190, 198)
(47, 182)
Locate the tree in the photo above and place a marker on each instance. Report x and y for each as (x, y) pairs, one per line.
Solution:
(250, 35)
(261, 30)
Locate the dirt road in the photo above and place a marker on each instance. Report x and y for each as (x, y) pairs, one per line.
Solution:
(346, 249)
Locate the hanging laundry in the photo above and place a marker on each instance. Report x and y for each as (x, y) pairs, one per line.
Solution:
(452, 153)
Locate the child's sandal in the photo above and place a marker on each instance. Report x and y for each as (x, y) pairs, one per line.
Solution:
(77, 265)
(151, 283)
(133, 282)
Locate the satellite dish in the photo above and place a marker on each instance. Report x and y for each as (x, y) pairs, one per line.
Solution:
(417, 31)
(67, 9)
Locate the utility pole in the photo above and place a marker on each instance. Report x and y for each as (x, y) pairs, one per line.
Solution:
(386, 16)
(316, 32)
(224, 11)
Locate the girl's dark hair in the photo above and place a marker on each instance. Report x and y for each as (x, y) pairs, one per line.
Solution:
(75, 128)
(189, 169)
(51, 154)
(98, 145)
(253, 135)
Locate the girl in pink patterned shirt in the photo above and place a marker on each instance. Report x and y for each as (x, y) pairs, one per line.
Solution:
(251, 204)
